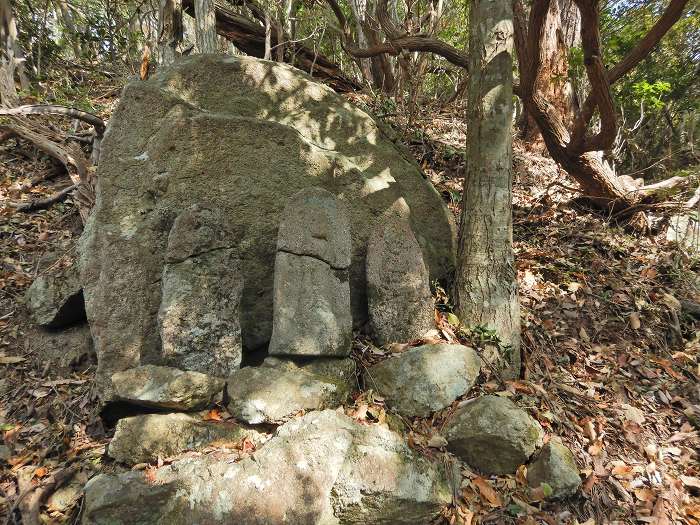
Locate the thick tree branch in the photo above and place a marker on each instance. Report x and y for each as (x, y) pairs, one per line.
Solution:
(535, 33)
(670, 16)
(600, 89)
(249, 37)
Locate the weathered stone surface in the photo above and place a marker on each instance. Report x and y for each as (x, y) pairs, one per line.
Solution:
(274, 392)
(321, 469)
(63, 351)
(401, 306)
(337, 368)
(144, 438)
(56, 300)
(202, 286)
(556, 466)
(312, 308)
(425, 379)
(317, 224)
(211, 121)
(311, 294)
(165, 387)
(492, 434)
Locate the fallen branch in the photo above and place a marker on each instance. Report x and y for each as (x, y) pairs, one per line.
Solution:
(249, 37)
(41, 204)
(71, 157)
(53, 109)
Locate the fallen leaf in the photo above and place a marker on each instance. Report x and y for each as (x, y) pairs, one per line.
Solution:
(691, 481)
(41, 472)
(437, 441)
(11, 359)
(635, 321)
(213, 415)
(487, 492)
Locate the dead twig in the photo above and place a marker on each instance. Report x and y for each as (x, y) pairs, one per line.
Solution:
(41, 204)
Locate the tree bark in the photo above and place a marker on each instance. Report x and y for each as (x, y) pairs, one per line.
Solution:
(11, 57)
(205, 26)
(169, 30)
(486, 288)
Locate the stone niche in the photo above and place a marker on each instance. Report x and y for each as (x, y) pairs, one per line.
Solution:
(239, 136)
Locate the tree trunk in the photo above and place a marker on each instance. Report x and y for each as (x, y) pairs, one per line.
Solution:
(486, 288)
(205, 26)
(11, 57)
(170, 30)
(553, 79)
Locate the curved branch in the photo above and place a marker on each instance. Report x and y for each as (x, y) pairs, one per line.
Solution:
(53, 109)
(403, 41)
(534, 37)
(670, 16)
(651, 39)
(600, 88)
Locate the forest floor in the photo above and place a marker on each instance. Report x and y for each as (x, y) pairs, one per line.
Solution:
(612, 362)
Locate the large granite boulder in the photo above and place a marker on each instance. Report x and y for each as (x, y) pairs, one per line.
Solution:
(425, 379)
(239, 135)
(311, 292)
(320, 469)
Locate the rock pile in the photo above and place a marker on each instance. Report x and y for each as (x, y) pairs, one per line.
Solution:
(178, 280)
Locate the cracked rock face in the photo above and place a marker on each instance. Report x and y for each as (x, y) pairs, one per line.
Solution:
(201, 292)
(311, 293)
(320, 469)
(241, 136)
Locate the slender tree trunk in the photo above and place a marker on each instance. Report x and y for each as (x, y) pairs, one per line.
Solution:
(205, 26)
(486, 288)
(69, 24)
(170, 30)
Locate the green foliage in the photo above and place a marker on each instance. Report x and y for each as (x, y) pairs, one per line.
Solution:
(650, 94)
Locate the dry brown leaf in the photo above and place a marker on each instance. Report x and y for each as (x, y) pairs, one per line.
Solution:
(635, 321)
(41, 472)
(691, 481)
(213, 415)
(487, 492)
(11, 359)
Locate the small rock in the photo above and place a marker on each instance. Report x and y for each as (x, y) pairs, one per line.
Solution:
(165, 387)
(274, 392)
(555, 465)
(320, 469)
(311, 291)
(56, 300)
(202, 286)
(425, 379)
(492, 434)
(401, 307)
(142, 439)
